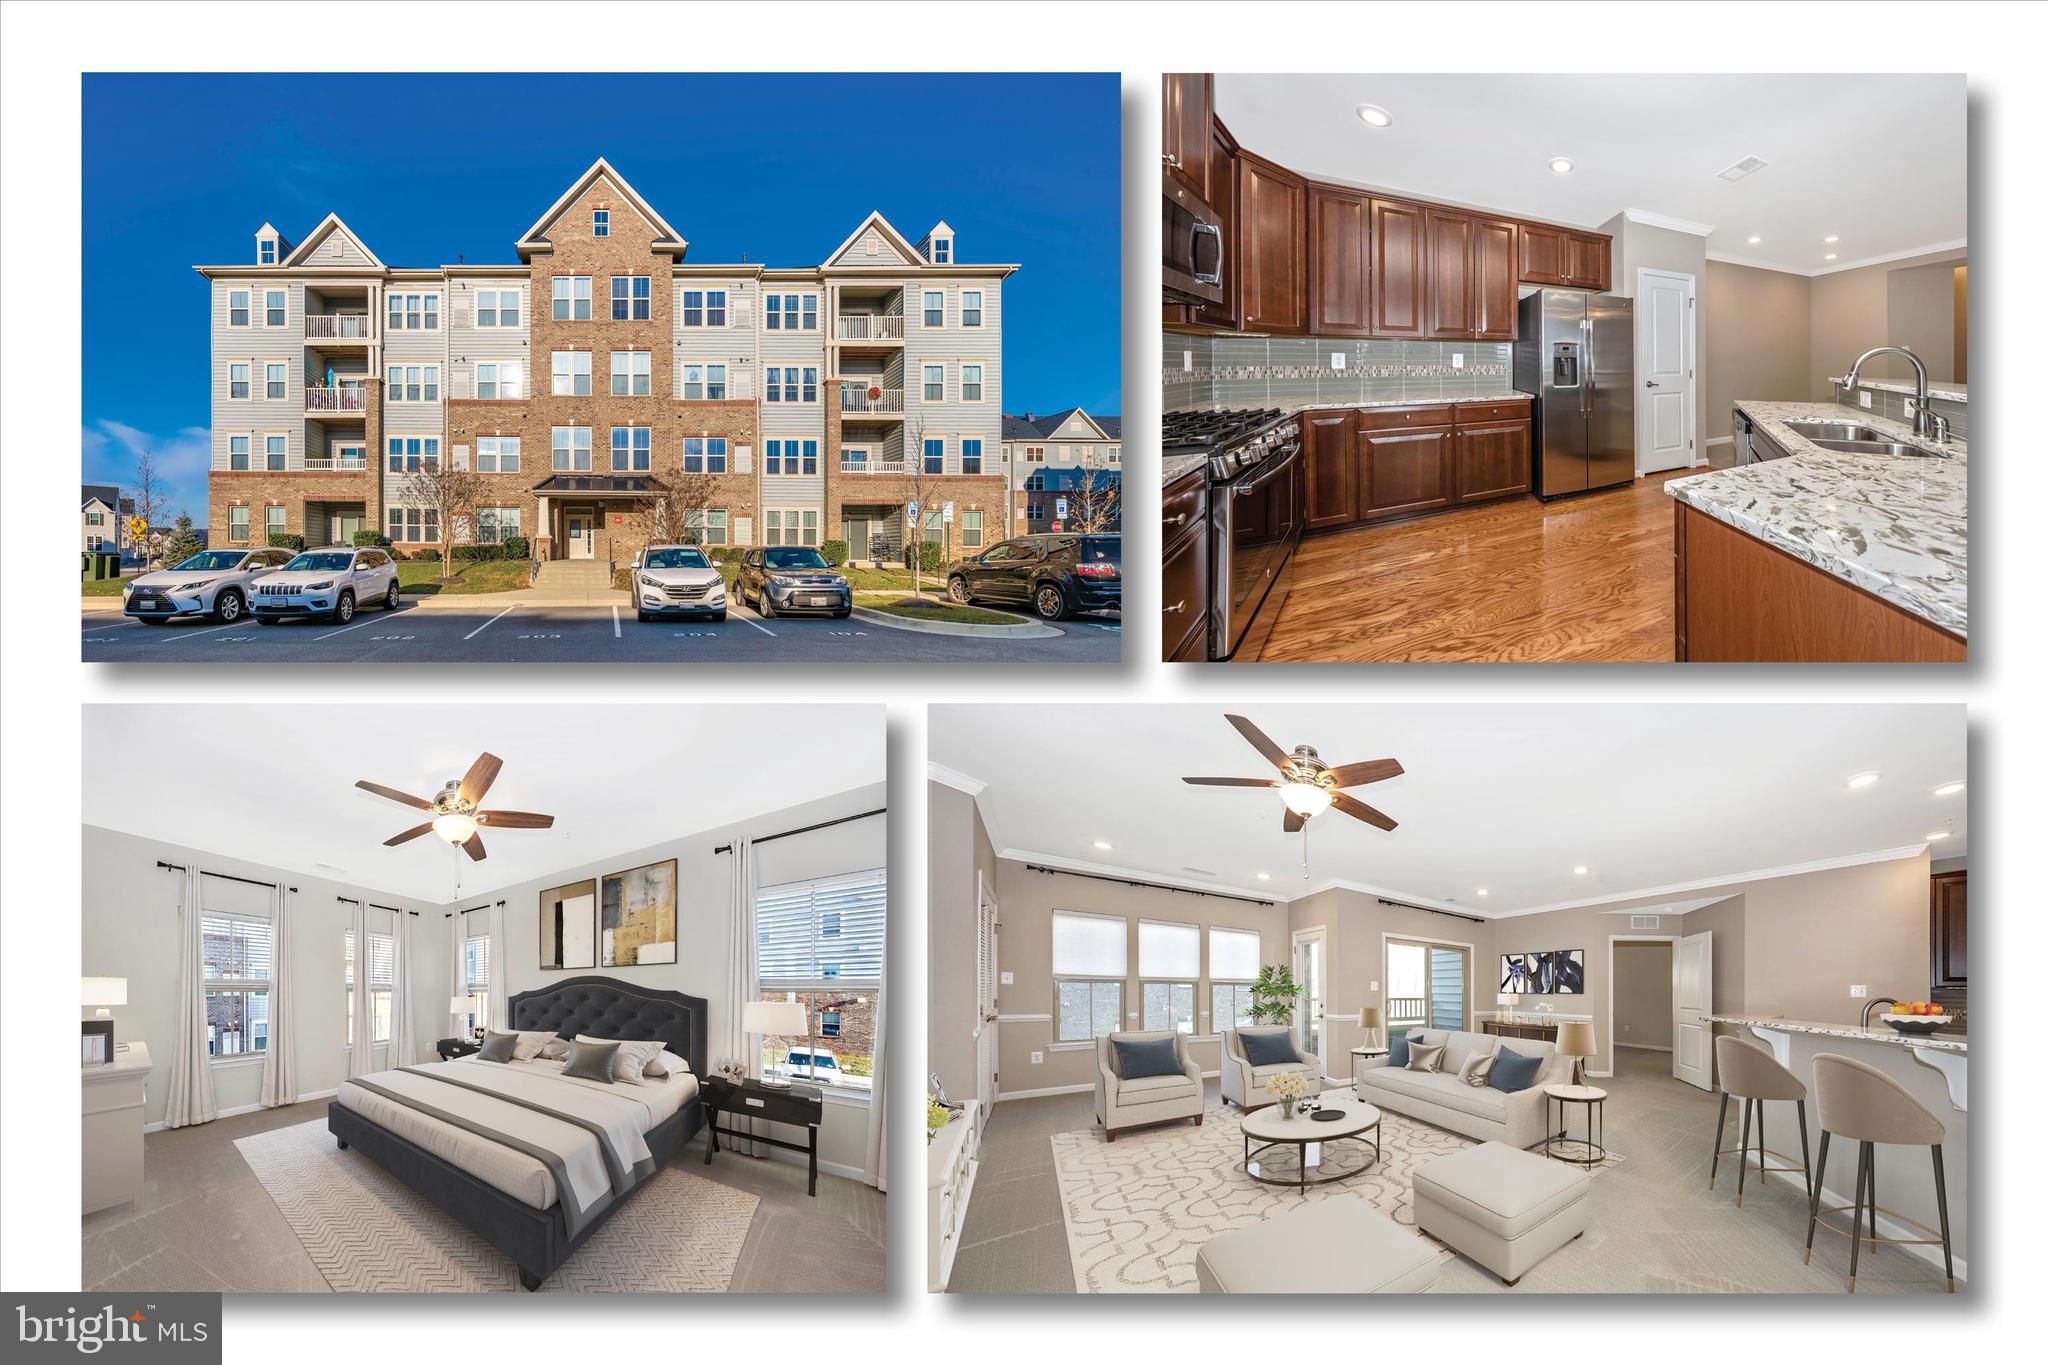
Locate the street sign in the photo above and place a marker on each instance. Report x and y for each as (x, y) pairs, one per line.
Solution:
(911, 512)
(949, 514)
(1059, 509)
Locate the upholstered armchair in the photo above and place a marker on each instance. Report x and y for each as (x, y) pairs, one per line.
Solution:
(1145, 1100)
(1244, 1084)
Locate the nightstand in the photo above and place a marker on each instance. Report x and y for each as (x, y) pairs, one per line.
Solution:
(451, 1048)
(801, 1106)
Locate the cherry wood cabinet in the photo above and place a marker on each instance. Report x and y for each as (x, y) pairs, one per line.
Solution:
(1399, 265)
(1222, 201)
(1272, 240)
(1491, 460)
(1448, 303)
(1184, 574)
(1189, 103)
(1949, 930)
(1330, 449)
(1496, 244)
(1588, 262)
(1377, 464)
(1406, 471)
(1545, 255)
(1339, 263)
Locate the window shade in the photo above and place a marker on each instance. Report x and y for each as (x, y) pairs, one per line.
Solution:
(1169, 951)
(1088, 945)
(1233, 955)
(235, 947)
(832, 929)
(476, 963)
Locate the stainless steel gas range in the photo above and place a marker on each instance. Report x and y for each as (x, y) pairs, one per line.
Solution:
(1257, 493)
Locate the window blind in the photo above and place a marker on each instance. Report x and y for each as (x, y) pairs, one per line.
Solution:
(826, 930)
(476, 963)
(1169, 951)
(1233, 955)
(1089, 945)
(235, 947)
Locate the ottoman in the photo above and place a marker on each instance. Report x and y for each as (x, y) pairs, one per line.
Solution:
(1503, 1207)
(1333, 1246)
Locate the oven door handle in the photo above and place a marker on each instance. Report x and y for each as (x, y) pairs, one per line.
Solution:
(1279, 466)
(1194, 254)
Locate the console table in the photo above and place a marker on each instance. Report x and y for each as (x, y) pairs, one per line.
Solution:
(801, 1106)
(111, 1116)
(1535, 1032)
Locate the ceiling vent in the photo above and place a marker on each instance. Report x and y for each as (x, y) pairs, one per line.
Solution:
(1748, 166)
(1645, 922)
(1199, 872)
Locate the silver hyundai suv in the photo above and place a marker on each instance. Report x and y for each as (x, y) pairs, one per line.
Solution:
(332, 582)
(215, 583)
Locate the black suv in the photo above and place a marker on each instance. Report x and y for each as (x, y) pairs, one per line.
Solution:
(1056, 575)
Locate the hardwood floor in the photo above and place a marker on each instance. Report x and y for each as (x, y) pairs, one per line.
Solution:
(1582, 580)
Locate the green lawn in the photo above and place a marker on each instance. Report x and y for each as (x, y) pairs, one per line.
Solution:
(420, 577)
(935, 609)
(103, 587)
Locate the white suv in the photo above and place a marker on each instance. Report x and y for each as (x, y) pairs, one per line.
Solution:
(677, 580)
(214, 583)
(330, 582)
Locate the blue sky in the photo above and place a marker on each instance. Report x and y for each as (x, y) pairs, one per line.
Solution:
(181, 170)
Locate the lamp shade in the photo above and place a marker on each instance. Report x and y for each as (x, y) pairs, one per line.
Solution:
(103, 990)
(458, 1004)
(1369, 1017)
(781, 1018)
(1575, 1039)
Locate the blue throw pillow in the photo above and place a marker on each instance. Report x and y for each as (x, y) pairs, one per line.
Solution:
(1268, 1049)
(1139, 1058)
(1512, 1071)
(1397, 1052)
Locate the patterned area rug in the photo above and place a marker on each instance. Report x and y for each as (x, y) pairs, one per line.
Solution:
(1138, 1209)
(370, 1234)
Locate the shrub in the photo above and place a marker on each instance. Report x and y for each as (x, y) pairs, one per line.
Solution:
(471, 552)
(727, 554)
(431, 555)
(857, 1066)
(516, 547)
(834, 552)
(365, 539)
(622, 580)
(931, 556)
(285, 540)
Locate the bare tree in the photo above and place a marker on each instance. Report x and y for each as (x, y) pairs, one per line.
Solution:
(922, 487)
(451, 493)
(152, 498)
(679, 511)
(1094, 503)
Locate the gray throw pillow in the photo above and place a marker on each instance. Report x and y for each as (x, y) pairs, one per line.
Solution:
(1422, 1057)
(591, 1061)
(499, 1047)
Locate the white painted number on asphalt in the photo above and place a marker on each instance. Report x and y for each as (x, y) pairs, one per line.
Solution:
(539, 635)
(394, 637)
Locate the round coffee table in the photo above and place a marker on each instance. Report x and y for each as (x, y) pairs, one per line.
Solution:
(1595, 1100)
(1307, 1135)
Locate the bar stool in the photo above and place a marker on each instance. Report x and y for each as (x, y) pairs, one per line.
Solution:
(1866, 1106)
(1751, 1074)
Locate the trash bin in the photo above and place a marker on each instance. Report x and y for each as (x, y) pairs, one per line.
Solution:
(100, 564)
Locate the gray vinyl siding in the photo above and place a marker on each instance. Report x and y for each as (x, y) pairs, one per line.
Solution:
(332, 250)
(257, 416)
(418, 347)
(733, 345)
(782, 348)
(952, 345)
(472, 343)
(873, 248)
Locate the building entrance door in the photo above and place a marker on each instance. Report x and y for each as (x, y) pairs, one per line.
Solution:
(581, 531)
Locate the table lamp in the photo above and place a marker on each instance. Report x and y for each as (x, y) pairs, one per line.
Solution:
(1575, 1040)
(99, 994)
(774, 1018)
(458, 1006)
(1369, 1018)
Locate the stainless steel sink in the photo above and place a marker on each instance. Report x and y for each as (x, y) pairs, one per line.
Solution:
(1818, 430)
(1878, 448)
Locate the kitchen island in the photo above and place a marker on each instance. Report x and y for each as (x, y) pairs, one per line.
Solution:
(1824, 556)
(1935, 1071)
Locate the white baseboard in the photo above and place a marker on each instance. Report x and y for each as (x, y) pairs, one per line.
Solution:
(1886, 1227)
(1069, 1089)
(229, 1113)
(839, 1169)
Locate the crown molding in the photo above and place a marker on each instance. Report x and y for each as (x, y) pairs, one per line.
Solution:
(957, 780)
(1665, 220)
(1730, 258)
(1066, 864)
(1762, 874)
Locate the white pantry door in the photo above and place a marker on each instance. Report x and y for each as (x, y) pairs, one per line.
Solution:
(1692, 1000)
(1664, 369)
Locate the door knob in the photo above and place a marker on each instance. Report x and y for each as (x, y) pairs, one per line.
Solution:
(1649, 383)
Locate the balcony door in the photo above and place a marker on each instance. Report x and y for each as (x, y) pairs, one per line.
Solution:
(1429, 985)
(1311, 959)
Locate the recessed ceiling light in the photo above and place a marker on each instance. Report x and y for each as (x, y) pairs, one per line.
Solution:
(1831, 239)
(1482, 891)
(1937, 834)
(1102, 844)
(1829, 257)
(1863, 780)
(1754, 240)
(1579, 871)
(1265, 876)
(1948, 788)
(1561, 164)
(1374, 115)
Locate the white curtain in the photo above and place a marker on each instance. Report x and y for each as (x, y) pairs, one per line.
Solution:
(360, 1061)
(403, 1044)
(876, 1172)
(458, 981)
(280, 1059)
(191, 1094)
(740, 966)
(501, 961)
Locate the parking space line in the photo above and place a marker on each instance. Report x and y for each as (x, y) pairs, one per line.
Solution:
(615, 623)
(343, 631)
(190, 634)
(488, 624)
(757, 626)
(111, 625)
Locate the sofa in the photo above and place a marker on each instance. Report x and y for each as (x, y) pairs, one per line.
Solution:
(1140, 1103)
(1244, 1085)
(1440, 1098)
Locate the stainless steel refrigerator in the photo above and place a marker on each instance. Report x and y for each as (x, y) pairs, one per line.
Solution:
(1576, 355)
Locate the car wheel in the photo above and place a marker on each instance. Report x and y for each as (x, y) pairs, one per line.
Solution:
(1049, 602)
(956, 588)
(766, 606)
(391, 596)
(344, 608)
(228, 606)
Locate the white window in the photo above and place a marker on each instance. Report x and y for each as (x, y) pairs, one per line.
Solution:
(238, 379)
(500, 378)
(266, 251)
(273, 522)
(791, 457)
(383, 956)
(273, 381)
(707, 526)
(1233, 966)
(413, 525)
(412, 312)
(238, 308)
(970, 455)
(632, 449)
(703, 307)
(789, 526)
(238, 452)
(273, 308)
(571, 448)
(236, 955)
(935, 383)
(970, 383)
(600, 222)
(572, 373)
(942, 251)
(572, 298)
(970, 530)
(412, 384)
(704, 381)
(1090, 958)
(497, 454)
(935, 308)
(1169, 964)
(821, 944)
(632, 374)
(704, 454)
(792, 312)
(476, 966)
(497, 307)
(410, 454)
(630, 298)
(970, 308)
(274, 451)
(495, 524)
(238, 525)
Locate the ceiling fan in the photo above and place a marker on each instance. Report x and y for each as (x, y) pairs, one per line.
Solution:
(456, 817)
(1307, 785)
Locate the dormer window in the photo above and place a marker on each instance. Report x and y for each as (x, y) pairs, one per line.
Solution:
(942, 251)
(266, 251)
(601, 223)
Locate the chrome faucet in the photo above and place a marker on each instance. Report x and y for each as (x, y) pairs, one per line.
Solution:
(1926, 421)
(1871, 1005)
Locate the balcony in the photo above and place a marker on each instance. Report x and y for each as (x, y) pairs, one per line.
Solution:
(868, 399)
(1405, 1013)
(341, 398)
(872, 464)
(870, 327)
(329, 464)
(337, 326)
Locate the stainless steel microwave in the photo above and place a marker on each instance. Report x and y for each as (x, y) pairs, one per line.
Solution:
(1193, 248)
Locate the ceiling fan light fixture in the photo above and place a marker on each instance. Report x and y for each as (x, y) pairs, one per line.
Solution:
(1305, 798)
(457, 827)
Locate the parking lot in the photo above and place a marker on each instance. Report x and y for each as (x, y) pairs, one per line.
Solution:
(494, 632)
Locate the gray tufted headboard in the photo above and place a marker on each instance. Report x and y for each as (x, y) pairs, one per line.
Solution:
(605, 1007)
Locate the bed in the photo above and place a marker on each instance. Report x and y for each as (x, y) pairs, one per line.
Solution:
(530, 1161)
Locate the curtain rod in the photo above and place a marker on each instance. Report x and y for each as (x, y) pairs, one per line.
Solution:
(1149, 886)
(224, 876)
(822, 824)
(394, 909)
(1430, 909)
(472, 909)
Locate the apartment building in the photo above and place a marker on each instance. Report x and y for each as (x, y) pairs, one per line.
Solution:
(103, 517)
(1065, 440)
(607, 392)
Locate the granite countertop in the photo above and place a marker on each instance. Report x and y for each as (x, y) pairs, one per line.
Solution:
(1889, 1037)
(1895, 526)
(1954, 393)
(1174, 468)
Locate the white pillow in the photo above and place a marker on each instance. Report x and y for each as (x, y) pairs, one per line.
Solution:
(530, 1044)
(630, 1065)
(556, 1049)
(665, 1063)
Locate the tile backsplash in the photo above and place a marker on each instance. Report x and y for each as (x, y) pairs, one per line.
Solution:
(1243, 372)
(1885, 403)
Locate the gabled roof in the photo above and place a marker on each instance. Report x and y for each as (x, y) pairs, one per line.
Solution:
(1033, 428)
(911, 255)
(97, 492)
(328, 226)
(535, 238)
(942, 228)
(270, 230)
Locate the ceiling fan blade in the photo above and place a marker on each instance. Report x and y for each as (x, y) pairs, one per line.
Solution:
(1358, 810)
(1230, 781)
(1293, 822)
(1372, 770)
(415, 832)
(393, 794)
(474, 847)
(478, 779)
(1275, 755)
(514, 819)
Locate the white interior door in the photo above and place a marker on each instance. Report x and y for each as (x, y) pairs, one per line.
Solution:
(984, 996)
(1311, 1035)
(1692, 1000)
(1664, 371)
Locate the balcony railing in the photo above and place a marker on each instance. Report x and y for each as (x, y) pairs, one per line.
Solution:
(863, 398)
(319, 462)
(1406, 1012)
(338, 326)
(850, 464)
(339, 398)
(871, 327)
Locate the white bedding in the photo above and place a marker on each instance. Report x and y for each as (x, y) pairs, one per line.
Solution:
(627, 1110)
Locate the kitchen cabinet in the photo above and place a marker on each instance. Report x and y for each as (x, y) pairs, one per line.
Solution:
(1545, 255)
(1377, 464)
(1330, 449)
(1339, 263)
(1222, 198)
(1189, 102)
(1184, 571)
(1588, 263)
(1448, 304)
(1399, 266)
(1491, 459)
(1272, 241)
(1496, 244)
(1406, 471)
(1949, 930)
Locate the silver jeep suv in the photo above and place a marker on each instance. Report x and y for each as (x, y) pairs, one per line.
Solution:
(332, 582)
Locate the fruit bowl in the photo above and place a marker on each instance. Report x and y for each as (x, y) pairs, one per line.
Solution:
(1918, 1023)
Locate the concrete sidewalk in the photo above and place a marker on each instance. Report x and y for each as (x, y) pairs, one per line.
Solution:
(529, 597)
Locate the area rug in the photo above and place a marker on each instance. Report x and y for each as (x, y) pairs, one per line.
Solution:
(370, 1234)
(1138, 1209)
